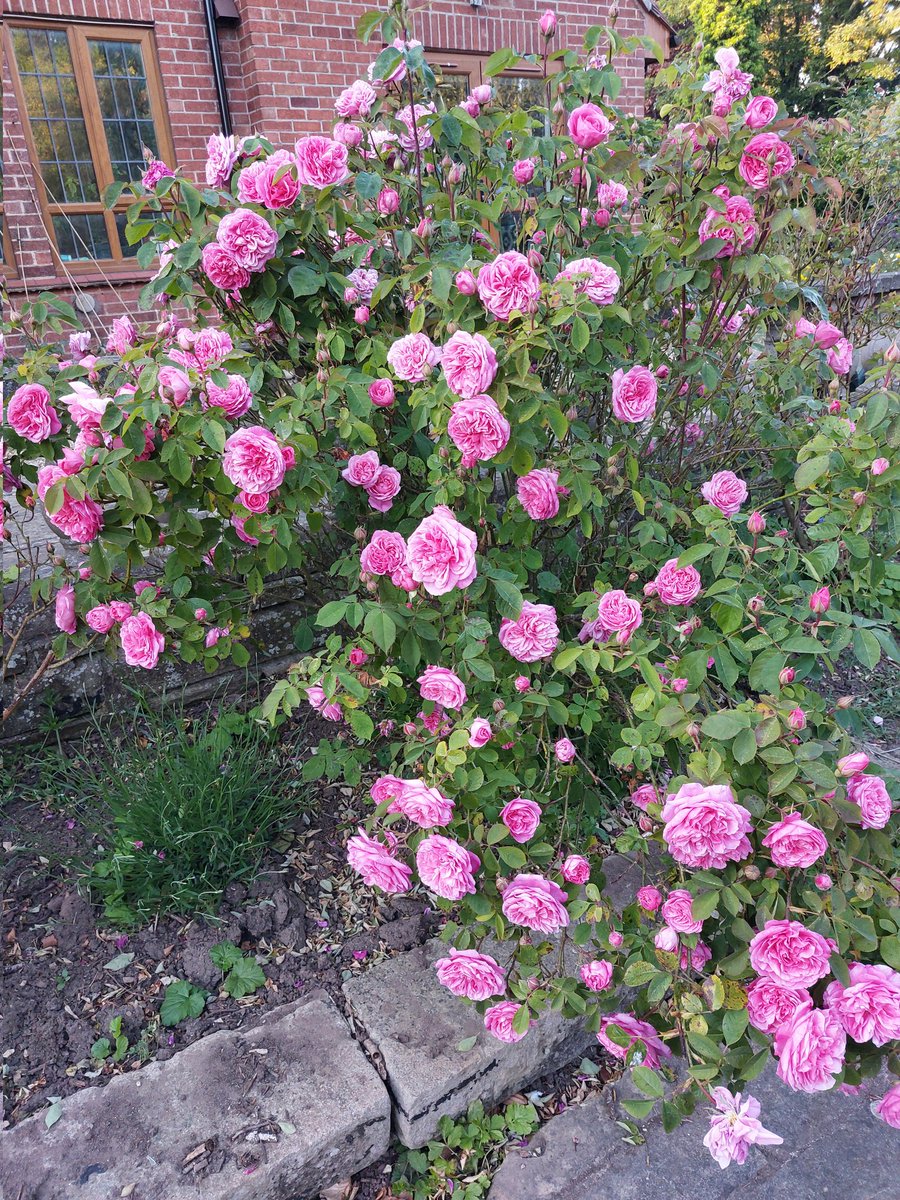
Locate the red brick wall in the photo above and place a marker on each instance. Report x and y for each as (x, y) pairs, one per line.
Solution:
(285, 63)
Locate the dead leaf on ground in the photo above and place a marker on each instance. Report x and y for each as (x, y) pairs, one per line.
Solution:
(346, 1189)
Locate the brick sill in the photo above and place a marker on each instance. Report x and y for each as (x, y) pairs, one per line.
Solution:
(61, 283)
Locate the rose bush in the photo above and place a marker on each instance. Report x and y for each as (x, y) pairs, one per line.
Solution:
(596, 505)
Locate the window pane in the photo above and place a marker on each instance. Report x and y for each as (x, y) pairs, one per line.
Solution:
(454, 88)
(124, 105)
(526, 92)
(80, 236)
(127, 251)
(54, 111)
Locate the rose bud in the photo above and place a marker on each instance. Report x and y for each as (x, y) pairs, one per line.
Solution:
(756, 523)
(786, 675)
(755, 604)
(547, 23)
(465, 283)
(498, 706)
(843, 702)
(797, 719)
(852, 764)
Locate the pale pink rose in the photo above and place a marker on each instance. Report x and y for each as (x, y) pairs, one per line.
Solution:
(470, 974)
(465, 283)
(383, 488)
(173, 385)
(414, 118)
(211, 346)
(120, 609)
(564, 750)
(618, 614)
(852, 764)
(705, 827)
(737, 226)
(356, 100)
(469, 364)
(100, 618)
(234, 400)
(644, 795)
(318, 699)
(522, 683)
(381, 393)
(248, 237)
(634, 394)
(253, 460)
(725, 492)
(589, 126)
(478, 429)
(498, 1021)
(793, 842)
(521, 817)
(771, 1004)
(446, 867)
(810, 1049)
(142, 643)
(350, 135)
(387, 787)
(523, 170)
(413, 357)
(667, 940)
(321, 162)
(443, 687)
(385, 553)
(277, 184)
(86, 407)
(215, 634)
(760, 111)
(637, 1031)
(361, 469)
(677, 585)
(869, 1008)
(576, 869)
(615, 939)
(803, 328)
(649, 898)
(840, 358)
(789, 953)
(441, 553)
(248, 181)
(596, 975)
(887, 1108)
(65, 609)
(736, 1128)
(480, 733)
(31, 414)
(222, 154)
(538, 493)
(593, 279)
(871, 794)
(826, 335)
(879, 466)
(677, 914)
(122, 336)
(377, 865)
(222, 268)
(536, 903)
(423, 805)
(508, 284)
(533, 635)
(765, 157)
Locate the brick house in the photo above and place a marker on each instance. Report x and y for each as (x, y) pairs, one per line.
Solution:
(87, 82)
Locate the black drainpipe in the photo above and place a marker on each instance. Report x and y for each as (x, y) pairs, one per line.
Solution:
(215, 51)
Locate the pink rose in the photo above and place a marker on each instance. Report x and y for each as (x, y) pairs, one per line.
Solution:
(361, 469)
(589, 126)
(634, 394)
(852, 764)
(826, 335)
(248, 237)
(536, 903)
(737, 226)
(443, 687)
(100, 618)
(211, 346)
(564, 750)
(248, 180)
(142, 643)
(615, 939)
(523, 170)
(122, 336)
(538, 493)
(871, 794)
(222, 154)
(321, 162)
(234, 400)
(253, 460)
(576, 869)
(173, 385)
(677, 585)
(840, 357)
(377, 865)
(446, 867)
(547, 23)
(356, 100)
(388, 201)
(385, 553)
(869, 1007)
(765, 157)
(470, 974)
(618, 614)
(480, 733)
(498, 1021)
(478, 429)
(222, 268)
(521, 817)
(381, 393)
(31, 414)
(649, 898)
(387, 787)
(465, 283)
(725, 492)
(441, 553)
(533, 635)
(120, 609)
(789, 953)
(507, 285)
(80, 520)
(593, 279)
(255, 502)
(771, 1004)
(705, 827)
(417, 131)
(156, 170)
(413, 357)
(820, 601)
(793, 842)
(735, 1128)
(810, 1049)
(383, 488)
(879, 466)
(522, 683)
(277, 184)
(760, 111)
(421, 804)
(677, 913)
(65, 608)
(469, 364)
(644, 795)
(637, 1031)
(888, 1107)
(597, 974)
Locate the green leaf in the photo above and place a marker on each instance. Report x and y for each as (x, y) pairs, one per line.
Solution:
(182, 1000)
(704, 906)
(303, 281)
(725, 725)
(509, 599)
(765, 670)
(381, 628)
(361, 724)
(331, 613)
(581, 334)
(694, 554)
(890, 951)
(638, 1108)
(466, 1044)
(866, 648)
(839, 969)
(512, 856)
(734, 1022)
(807, 473)
(119, 962)
(744, 746)
(224, 955)
(566, 657)
(648, 1082)
(244, 978)
(639, 973)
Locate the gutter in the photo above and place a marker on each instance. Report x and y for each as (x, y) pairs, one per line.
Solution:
(215, 51)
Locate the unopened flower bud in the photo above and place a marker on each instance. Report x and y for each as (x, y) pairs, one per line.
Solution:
(498, 706)
(859, 499)
(797, 719)
(571, 413)
(601, 218)
(456, 174)
(322, 375)
(535, 258)
(756, 523)
(360, 533)
(755, 605)
(751, 872)
(844, 702)
(388, 201)
(547, 23)
(822, 882)
(786, 676)
(892, 354)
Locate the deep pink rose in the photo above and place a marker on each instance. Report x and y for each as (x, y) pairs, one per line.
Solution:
(442, 686)
(869, 1008)
(521, 817)
(810, 1049)
(725, 492)
(31, 414)
(385, 553)
(879, 466)
(793, 842)
(820, 601)
(361, 469)
(253, 460)
(470, 974)
(523, 170)
(705, 827)
(381, 393)
(737, 226)
(871, 794)
(423, 805)
(771, 1004)
(377, 865)
(441, 553)
(538, 493)
(80, 520)
(100, 618)
(533, 635)
(618, 614)
(222, 268)
(508, 284)
(576, 869)
(480, 733)
(789, 953)
(413, 357)
(446, 867)
(469, 364)
(826, 335)
(248, 180)
(465, 283)
(760, 111)
(637, 1031)
(65, 608)
(255, 502)
(498, 1021)
(156, 170)
(634, 394)
(564, 749)
(677, 585)
(840, 357)
(277, 184)
(649, 898)
(522, 683)
(248, 237)
(234, 400)
(677, 913)
(321, 162)
(888, 1107)
(478, 429)
(317, 698)
(589, 126)
(597, 974)
(211, 346)
(120, 609)
(765, 157)
(142, 643)
(383, 488)
(536, 903)
(593, 279)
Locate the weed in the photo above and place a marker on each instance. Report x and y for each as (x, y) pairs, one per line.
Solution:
(243, 974)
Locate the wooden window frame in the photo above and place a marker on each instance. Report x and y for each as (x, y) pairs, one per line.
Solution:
(78, 34)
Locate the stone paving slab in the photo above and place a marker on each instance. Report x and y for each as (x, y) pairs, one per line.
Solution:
(833, 1148)
(417, 1025)
(299, 1066)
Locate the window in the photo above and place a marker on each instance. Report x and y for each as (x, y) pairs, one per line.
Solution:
(91, 101)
